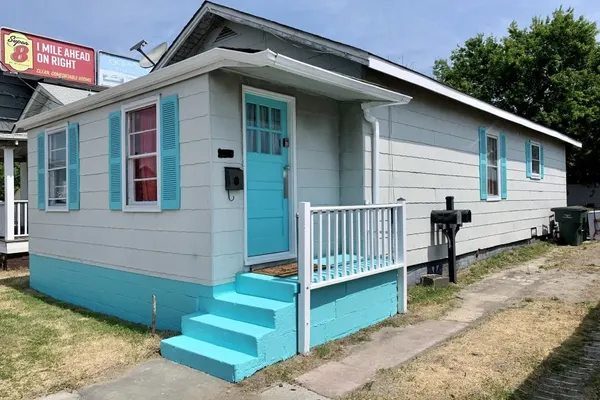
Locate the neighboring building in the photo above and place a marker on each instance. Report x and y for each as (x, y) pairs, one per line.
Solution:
(14, 215)
(296, 118)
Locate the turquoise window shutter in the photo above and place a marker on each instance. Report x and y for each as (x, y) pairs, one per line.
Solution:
(541, 162)
(114, 159)
(528, 158)
(169, 153)
(503, 172)
(73, 166)
(482, 163)
(41, 170)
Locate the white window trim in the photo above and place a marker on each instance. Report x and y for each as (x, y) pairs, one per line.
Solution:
(537, 176)
(48, 133)
(133, 106)
(494, 197)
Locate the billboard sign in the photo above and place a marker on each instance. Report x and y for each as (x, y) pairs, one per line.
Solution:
(114, 70)
(36, 55)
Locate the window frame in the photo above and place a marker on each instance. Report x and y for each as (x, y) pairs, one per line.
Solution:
(127, 188)
(493, 197)
(535, 176)
(49, 132)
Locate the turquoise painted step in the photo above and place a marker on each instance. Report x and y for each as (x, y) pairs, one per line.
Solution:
(267, 286)
(245, 308)
(224, 332)
(227, 364)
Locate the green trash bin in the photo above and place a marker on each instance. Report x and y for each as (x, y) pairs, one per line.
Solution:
(572, 224)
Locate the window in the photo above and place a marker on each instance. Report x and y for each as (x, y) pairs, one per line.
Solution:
(56, 165)
(141, 152)
(492, 167)
(535, 160)
(263, 129)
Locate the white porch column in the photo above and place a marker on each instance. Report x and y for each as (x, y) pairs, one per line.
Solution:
(23, 181)
(9, 193)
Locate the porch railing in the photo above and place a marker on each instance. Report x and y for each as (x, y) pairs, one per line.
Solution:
(339, 244)
(20, 220)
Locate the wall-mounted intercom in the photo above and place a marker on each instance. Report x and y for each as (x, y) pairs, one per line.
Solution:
(234, 180)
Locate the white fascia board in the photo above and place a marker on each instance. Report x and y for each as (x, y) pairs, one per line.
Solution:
(416, 79)
(201, 64)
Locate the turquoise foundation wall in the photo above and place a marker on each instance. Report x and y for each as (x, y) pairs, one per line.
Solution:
(122, 294)
(259, 312)
(342, 309)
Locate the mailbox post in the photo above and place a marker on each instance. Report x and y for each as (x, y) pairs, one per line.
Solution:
(451, 221)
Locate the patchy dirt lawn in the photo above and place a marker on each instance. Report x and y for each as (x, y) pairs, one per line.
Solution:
(504, 355)
(48, 346)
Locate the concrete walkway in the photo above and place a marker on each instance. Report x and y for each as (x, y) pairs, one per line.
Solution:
(161, 379)
(391, 347)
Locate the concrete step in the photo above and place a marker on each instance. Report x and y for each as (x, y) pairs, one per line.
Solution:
(225, 332)
(251, 309)
(224, 363)
(281, 289)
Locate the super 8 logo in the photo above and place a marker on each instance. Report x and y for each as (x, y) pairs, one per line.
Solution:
(18, 51)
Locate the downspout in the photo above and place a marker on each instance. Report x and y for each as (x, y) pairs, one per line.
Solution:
(374, 155)
(367, 107)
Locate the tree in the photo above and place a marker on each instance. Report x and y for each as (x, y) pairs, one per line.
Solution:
(548, 72)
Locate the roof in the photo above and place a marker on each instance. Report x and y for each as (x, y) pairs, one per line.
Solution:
(187, 40)
(66, 95)
(47, 97)
(264, 64)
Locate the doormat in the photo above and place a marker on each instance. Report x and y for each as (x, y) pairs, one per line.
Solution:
(283, 271)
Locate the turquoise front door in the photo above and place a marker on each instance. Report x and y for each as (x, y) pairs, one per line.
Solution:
(267, 168)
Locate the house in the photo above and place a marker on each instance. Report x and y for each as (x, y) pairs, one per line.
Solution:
(14, 225)
(251, 144)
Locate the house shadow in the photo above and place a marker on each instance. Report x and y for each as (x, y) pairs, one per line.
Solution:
(21, 284)
(572, 370)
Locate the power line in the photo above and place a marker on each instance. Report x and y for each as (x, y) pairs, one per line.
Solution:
(16, 74)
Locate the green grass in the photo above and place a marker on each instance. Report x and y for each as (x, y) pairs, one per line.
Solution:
(428, 295)
(503, 260)
(49, 345)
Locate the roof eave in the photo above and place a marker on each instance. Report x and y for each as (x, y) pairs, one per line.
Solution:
(297, 35)
(204, 63)
(417, 79)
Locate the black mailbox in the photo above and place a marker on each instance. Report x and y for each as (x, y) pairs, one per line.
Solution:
(234, 178)
(455, 217)
(451, 220)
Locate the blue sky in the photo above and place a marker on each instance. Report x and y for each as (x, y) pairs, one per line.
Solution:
(413, 33)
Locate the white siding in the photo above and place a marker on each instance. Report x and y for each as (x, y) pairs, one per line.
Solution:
(317, 158)
(171, 244)
(429, 150)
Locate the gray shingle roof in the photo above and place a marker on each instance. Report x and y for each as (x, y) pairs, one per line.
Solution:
(65, 95)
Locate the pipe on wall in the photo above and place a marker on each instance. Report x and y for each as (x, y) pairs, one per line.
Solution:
(374, 155)
(367, 107)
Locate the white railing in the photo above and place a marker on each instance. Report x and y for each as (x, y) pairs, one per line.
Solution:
(339, 244)
(21, 220)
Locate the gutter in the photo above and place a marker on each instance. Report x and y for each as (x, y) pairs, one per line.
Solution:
(367, 107)
(206, 62)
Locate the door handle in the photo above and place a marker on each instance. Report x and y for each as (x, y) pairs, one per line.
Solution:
(286, 168)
